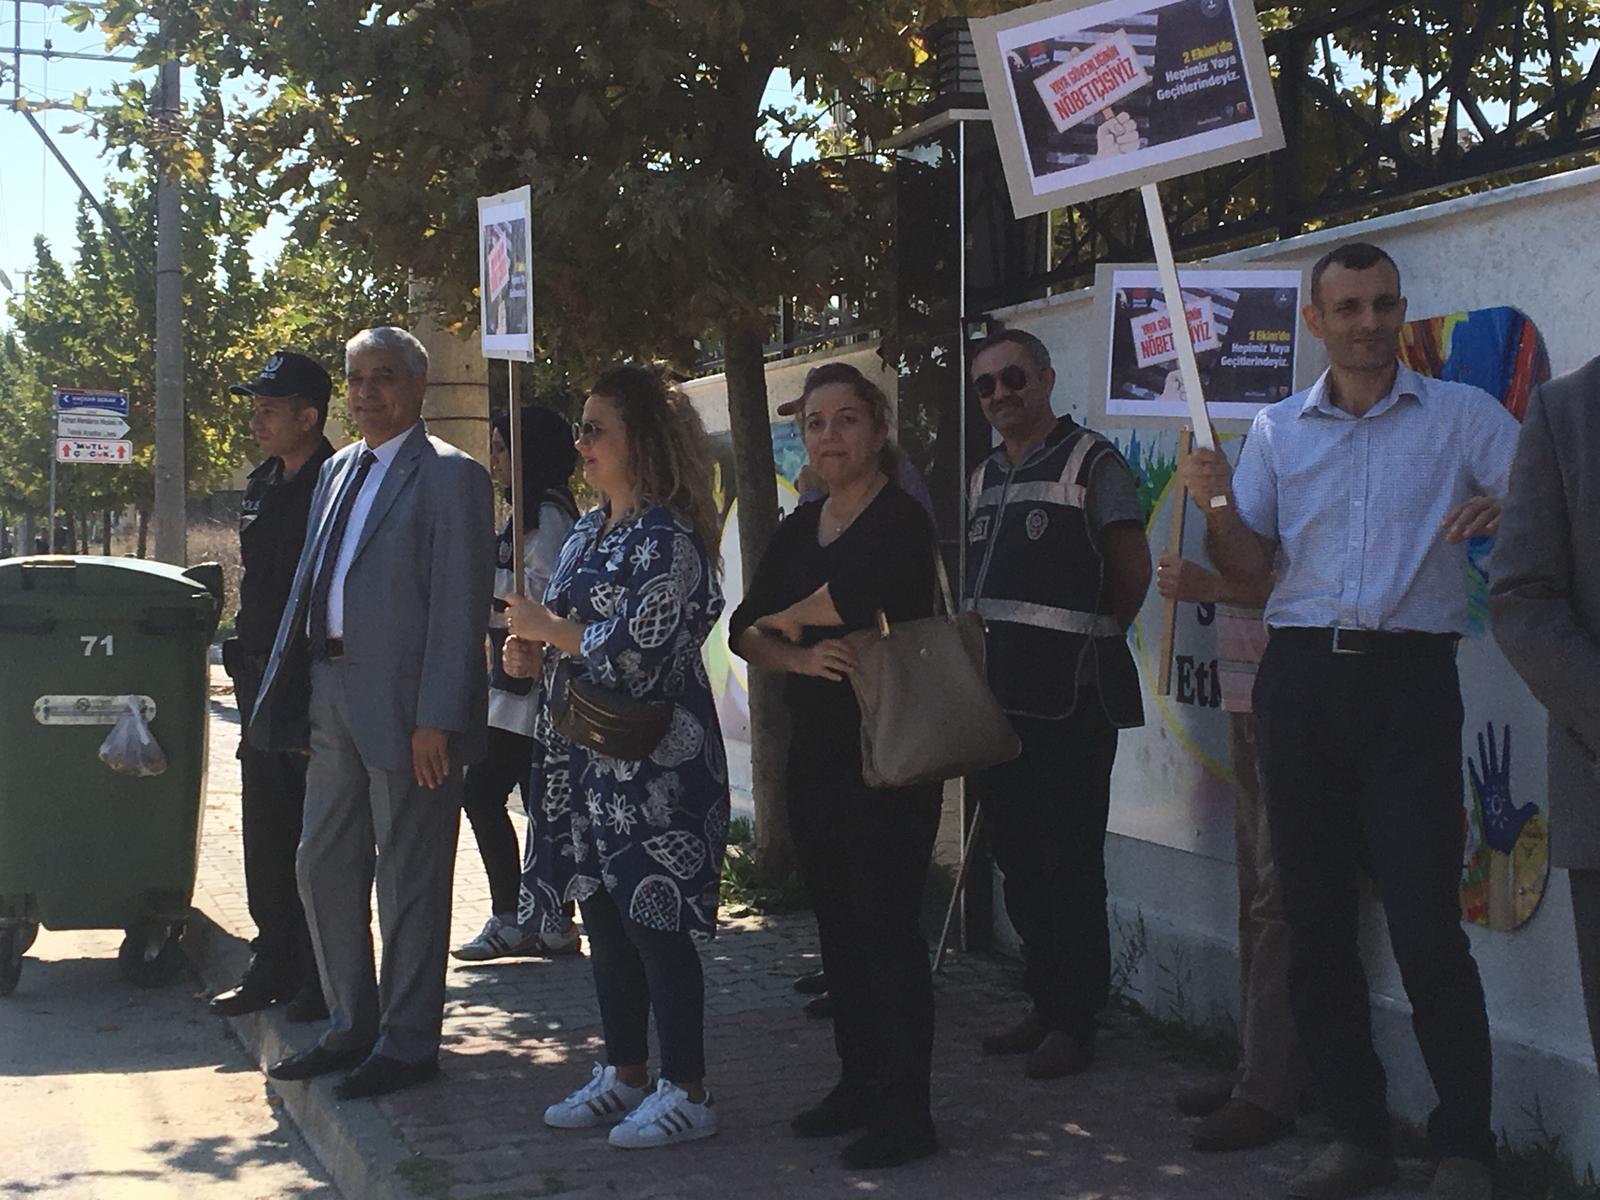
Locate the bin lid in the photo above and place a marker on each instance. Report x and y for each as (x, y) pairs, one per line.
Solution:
(53, 577)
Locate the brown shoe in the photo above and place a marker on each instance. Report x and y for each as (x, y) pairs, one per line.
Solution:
(1058, 1054)
(1239, 1125)
(1462, 1179)
(1343, 1169)
(1205, 1098)
(1022, 1037)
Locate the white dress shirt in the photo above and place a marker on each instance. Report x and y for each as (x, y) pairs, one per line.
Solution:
(385, 455)
(1355, 503)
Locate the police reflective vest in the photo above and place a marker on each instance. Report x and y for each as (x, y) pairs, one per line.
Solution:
(1037, 578)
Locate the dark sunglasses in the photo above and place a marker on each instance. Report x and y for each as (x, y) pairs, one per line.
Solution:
(586, 431)
(1014, 377)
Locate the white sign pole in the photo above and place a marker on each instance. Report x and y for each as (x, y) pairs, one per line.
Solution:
(1178, 318)
(50, 518)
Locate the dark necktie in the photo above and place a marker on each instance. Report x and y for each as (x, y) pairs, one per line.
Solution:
(317, 620)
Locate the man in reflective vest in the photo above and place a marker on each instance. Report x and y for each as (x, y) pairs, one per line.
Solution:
(1057, 566)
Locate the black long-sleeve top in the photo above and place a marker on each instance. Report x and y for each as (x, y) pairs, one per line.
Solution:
(884, 560)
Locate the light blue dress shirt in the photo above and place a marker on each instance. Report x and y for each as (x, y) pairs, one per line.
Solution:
(1355, 503)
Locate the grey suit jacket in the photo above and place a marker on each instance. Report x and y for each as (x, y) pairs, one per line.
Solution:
(1544, 596)
(416, 606)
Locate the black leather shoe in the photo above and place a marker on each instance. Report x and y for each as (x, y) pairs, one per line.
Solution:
(381, 1074)
(307, 1005)
(813, 984)
(820, 1008)
(842, 1110)
(248, 997)
(880, 1149)
(308, 1064)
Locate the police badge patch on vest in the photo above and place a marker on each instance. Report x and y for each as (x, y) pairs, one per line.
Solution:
(1037, 522)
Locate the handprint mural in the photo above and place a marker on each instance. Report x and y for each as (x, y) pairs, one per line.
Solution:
(1507, 860)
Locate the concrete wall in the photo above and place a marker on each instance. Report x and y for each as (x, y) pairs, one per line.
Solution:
(1528, 246)
(784, 377)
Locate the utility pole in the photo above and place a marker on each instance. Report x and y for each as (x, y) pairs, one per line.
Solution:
(170, 516)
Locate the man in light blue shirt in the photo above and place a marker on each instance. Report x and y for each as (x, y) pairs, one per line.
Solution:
(1366, 486)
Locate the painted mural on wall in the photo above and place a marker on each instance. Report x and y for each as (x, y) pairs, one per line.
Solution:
(1173, 783)
(730, 682)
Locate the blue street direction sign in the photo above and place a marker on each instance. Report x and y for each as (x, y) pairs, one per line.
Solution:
(78, 400)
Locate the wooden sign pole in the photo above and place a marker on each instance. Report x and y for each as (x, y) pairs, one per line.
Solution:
(518, 577)
(1169, 612)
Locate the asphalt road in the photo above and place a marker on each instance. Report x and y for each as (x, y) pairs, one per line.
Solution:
(113, 1092)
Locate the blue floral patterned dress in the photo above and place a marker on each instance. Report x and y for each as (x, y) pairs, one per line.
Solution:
(653, 832)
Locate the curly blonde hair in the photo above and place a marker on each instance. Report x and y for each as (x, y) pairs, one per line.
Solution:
(670, 453)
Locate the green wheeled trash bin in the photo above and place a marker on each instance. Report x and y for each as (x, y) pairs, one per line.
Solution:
(83, 846)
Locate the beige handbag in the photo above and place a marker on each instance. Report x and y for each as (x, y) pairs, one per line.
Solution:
(926, 710)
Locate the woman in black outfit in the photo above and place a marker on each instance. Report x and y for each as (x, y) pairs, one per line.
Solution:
(864, 852)
(548, 514)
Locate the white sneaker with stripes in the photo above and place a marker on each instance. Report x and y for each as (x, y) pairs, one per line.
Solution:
(604, 1100)
(667, 1117)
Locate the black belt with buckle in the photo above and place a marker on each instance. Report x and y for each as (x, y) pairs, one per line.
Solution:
(1374, 643)
(335, 648)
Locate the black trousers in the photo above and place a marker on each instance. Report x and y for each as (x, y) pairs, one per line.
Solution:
(272, 810)
(864, 854)
(483, 798)
(1362, 762)
(638, 970)
(1586, 924)
(1047, 811)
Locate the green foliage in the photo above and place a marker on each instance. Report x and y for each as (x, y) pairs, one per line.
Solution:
(90, 323)
(662, 208)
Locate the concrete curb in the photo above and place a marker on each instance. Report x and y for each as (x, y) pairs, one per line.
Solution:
(355, 1143)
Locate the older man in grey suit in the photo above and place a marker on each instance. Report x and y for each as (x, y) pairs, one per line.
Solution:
(378, 670)
(1544, 595)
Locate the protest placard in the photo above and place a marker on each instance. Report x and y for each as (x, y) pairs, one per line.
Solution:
(1153, 341)
(1094, 98)
(505, 280)
(1092, 81)
(1243, 322)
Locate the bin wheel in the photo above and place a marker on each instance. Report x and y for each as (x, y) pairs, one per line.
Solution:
(12, 944)
(29, 932)
(150, 955)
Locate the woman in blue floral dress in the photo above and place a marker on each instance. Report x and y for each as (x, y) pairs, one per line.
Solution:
(638, 844)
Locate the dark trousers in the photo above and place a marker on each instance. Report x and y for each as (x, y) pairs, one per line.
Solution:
(864, 854)
(483, 798)
(638, 970)
(1585, 886)
(1362, 764)
(272, 809)
(1047, 812)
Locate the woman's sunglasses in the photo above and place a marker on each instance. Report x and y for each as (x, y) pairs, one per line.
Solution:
(1014, 377)
(587, 431)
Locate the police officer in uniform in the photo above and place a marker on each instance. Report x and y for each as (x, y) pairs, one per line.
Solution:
(289, 408)
(1057, 567)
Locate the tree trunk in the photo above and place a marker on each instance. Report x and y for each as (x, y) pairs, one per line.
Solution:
(754, 477)
(144, 531)
(105, 533)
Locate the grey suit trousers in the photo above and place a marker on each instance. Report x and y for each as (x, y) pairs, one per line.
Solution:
(1586, 921)
(362, 824)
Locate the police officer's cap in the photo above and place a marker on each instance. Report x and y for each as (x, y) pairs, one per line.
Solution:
(290, 374)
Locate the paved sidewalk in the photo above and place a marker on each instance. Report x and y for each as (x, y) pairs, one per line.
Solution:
(520, 1034)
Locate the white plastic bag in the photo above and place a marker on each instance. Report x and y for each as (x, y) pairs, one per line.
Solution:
(131, 748)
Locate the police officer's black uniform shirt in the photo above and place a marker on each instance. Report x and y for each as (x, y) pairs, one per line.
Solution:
(272, 529)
